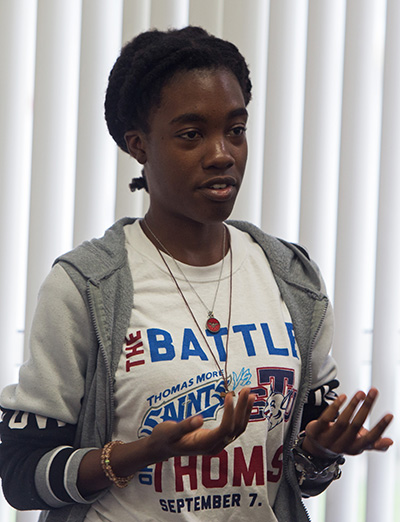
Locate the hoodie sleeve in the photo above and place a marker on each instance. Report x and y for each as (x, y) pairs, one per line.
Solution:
(322, 393)
(52, 380)
(324, 372)
(38, 463)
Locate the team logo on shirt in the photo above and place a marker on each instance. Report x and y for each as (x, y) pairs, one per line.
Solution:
(275, 396)
(203, 398)
(200, 395)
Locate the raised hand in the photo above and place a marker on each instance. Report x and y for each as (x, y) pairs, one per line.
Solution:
(344, 432)
(189, 438)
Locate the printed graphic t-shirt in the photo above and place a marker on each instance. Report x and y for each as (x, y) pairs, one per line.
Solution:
(166, 372)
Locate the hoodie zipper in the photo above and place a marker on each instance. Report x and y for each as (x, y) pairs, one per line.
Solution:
(92, 308)
(297, 420)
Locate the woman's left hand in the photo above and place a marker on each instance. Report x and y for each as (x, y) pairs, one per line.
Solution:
(344, 432)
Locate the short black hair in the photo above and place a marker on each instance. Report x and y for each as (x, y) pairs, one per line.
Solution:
(148, 61)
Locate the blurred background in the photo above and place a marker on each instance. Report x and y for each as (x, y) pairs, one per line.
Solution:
(323, 170)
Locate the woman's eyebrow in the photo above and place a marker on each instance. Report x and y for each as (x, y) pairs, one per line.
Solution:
(187, 118)
(194, 117)
(242, 111)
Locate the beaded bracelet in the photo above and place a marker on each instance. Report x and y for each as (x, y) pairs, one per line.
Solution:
(120, 482)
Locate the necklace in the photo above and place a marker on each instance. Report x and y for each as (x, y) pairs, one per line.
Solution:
(224, 371)
(212, 324)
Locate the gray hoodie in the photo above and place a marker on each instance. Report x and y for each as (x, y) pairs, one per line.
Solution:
(99, 270)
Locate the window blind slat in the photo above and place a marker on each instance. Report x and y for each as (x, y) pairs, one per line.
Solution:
(386, 335)
(96, 152)
(284, 117)
(356, 225)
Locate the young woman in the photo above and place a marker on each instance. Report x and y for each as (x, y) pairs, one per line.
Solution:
(175, 361)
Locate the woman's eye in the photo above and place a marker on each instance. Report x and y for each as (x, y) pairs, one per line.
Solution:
(239, 130)
(190, 135)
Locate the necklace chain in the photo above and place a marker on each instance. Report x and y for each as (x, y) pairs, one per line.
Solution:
(210, 312)
(224, 371)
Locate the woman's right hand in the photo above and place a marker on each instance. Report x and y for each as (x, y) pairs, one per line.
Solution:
(188, 437)
(168, 439)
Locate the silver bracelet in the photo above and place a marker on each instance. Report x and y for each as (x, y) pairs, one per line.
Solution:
(310, 467)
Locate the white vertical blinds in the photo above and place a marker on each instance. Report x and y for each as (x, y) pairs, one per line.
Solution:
(54, 139)
(253, 44)
(385, 345)
(174, 13)
(321, 133)
(324, 135)
(17, 36)
(95, 171)
(284, 118)
(356, 223)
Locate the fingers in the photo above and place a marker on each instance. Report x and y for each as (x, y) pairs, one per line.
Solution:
(346, 425)
(228, 418)
(364, 409)
(243, 410)
(170, 432)
(346, 422)
(234, 420)
(328, 416)
(352, 425)
(187, 437)
(352, 437)
(343, 432)
(373, 439)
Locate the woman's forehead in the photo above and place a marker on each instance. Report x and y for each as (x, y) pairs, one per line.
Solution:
(191, 95)
(202, 76)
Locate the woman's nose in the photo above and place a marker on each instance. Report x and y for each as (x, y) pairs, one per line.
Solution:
(218, 154)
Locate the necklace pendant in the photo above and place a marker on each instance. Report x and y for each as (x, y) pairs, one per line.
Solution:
(212, 324)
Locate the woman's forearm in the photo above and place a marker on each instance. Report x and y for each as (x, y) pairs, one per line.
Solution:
(125, 459)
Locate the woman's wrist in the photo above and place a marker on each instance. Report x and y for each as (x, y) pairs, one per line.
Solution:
(133, 456)
(315, 449)
(120, 482)
(313, 462)
(122, 461)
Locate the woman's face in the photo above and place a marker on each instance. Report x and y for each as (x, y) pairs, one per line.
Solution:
(195, 153)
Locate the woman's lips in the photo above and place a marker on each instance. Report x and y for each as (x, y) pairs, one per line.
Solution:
(219, 192)
(219, 189)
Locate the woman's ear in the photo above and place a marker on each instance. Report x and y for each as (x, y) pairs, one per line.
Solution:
(135, 141)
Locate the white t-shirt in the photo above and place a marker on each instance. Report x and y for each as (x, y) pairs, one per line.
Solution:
(166, 372)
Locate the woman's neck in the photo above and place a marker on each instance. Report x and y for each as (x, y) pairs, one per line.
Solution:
(195, 244)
